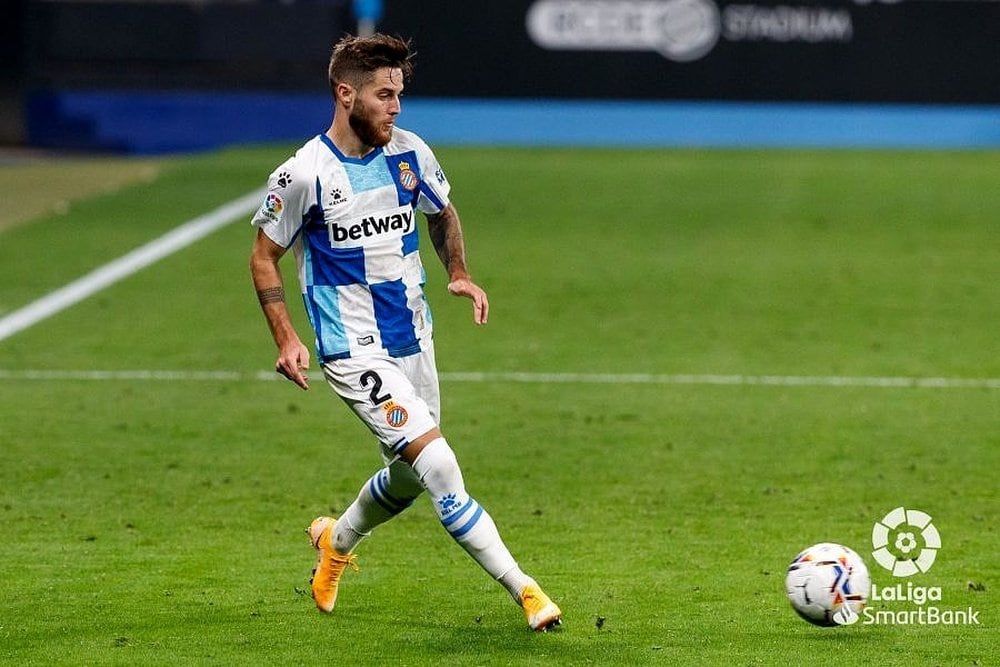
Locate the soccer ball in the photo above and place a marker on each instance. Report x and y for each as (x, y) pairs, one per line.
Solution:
(828, 584)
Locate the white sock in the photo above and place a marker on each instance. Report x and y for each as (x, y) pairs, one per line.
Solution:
(387, 493)
(465, 520)
(515, 581)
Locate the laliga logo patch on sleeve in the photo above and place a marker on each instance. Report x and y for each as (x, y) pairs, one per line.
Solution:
(271, 209)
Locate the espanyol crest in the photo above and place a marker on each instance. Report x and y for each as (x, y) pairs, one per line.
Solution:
(407, 178)
(395, 415)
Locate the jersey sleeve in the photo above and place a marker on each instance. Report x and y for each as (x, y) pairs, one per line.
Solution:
(434, 185)
(285, 203)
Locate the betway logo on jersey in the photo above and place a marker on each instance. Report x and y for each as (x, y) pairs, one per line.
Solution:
(390, 223)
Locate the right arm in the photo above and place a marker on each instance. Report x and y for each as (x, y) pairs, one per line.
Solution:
(293, 356)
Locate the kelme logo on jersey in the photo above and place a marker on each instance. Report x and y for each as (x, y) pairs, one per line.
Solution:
(336, 197)
(395, 223)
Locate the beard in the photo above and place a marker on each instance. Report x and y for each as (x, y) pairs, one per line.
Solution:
(366, 129)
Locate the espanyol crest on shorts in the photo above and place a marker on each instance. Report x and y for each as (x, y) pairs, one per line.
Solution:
(395, 415)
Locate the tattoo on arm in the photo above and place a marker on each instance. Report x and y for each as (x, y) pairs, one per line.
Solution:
(445, 231)
(271, 295)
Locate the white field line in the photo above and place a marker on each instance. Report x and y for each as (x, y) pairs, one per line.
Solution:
(536, 378)
(199, 227)
(735, 380)
(126, 265)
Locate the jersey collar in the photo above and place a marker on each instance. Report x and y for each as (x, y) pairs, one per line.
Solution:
(343, 158)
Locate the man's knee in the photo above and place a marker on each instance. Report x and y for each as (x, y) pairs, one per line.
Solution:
(437, 467)
(417, 445)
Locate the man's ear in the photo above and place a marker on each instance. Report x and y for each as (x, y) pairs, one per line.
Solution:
(345, 94)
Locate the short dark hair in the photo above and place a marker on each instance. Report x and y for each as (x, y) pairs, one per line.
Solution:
(355, 59)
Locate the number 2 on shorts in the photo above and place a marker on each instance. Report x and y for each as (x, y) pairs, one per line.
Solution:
(372, 378)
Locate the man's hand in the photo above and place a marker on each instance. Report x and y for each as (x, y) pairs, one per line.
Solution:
(292, 362)
(480, 304)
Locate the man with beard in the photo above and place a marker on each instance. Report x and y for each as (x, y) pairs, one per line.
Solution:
(346, 204)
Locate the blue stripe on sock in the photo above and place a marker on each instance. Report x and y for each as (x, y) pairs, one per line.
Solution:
(448, 520)
(401, 503)
(470, 523)
(392, 509)
(377, 489)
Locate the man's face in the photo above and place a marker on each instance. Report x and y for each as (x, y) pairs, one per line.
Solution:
(376, 106)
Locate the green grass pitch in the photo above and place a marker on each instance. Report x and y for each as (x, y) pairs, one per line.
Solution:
(160, 521)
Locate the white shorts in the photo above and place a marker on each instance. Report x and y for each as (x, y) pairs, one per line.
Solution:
(397, 398)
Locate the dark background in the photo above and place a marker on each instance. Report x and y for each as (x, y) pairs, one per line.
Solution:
(907, 52)
(911, 51)
(943, 52)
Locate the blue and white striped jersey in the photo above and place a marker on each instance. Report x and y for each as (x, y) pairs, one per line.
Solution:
(352, 225)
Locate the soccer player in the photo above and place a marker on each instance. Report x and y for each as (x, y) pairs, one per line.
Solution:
(346, 205)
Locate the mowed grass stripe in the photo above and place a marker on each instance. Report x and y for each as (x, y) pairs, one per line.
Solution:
(125, 266)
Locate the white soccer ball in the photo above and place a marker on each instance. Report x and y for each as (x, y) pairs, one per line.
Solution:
(828, 584)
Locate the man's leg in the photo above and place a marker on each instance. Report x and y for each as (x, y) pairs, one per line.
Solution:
(386, 400)
(473, 528)
(387, 493)
(381, 395)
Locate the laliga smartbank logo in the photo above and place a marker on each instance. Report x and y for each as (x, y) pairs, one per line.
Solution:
(905, 529)
(905, 542)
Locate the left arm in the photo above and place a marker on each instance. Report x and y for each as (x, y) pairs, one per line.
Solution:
(446, 234)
